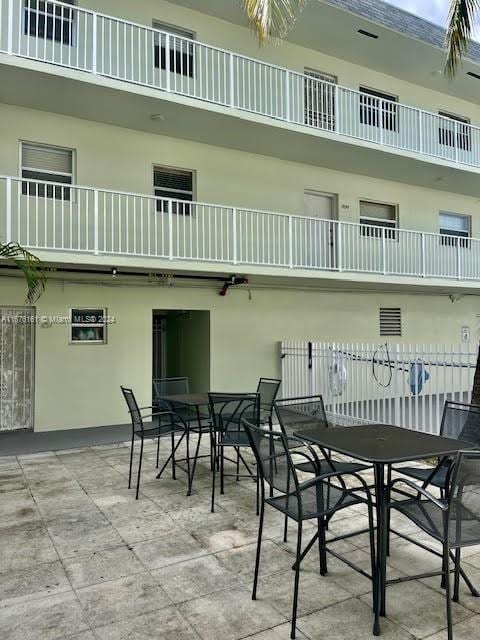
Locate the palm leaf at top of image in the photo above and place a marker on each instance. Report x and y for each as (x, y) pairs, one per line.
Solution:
(461, 21)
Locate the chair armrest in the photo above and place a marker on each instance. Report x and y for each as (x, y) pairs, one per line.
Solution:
(176, 416)
(439, 503)
(314, 457)
(340, 475)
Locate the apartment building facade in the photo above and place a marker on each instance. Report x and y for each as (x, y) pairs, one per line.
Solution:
(154, 157)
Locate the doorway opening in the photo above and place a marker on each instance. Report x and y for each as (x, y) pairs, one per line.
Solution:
(181, 347)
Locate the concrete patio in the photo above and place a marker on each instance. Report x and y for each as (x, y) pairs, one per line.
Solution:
(80, 559)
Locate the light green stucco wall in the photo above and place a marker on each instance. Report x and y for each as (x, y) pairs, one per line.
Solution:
(78, 385)
(123, 159)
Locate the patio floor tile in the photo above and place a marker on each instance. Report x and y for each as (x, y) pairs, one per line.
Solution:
(34, 582)
(229, 615)
(348, 620)
(194, 578)
(118, 599)
(102, 566)
(52, 618)
(175, 546)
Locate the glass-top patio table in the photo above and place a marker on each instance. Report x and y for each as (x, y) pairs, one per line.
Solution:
(382, 446)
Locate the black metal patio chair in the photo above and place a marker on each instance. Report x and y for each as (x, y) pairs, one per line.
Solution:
(267, 388)
(161, 424)
(295, 414)
(227, 412)
(317, 499)
(454, 520)
(460, 421)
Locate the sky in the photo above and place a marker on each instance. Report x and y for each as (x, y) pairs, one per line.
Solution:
(433, 10)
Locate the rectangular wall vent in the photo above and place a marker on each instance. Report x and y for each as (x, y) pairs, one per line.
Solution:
(473, 75)
(368, 34)
(390, 321)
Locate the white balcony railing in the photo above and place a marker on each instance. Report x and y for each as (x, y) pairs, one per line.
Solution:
(95, 43)
(58, 217)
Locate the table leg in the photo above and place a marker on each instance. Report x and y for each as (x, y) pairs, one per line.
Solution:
(380, 573)
(191, 475)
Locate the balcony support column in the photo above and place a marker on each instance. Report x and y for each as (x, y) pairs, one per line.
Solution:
(8, 214)
(10, 27)
(95, 222)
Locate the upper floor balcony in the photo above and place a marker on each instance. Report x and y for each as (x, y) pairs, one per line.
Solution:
(179, 69)
(64, 223)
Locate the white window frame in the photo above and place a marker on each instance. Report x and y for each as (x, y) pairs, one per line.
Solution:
(73, 325)
(73, 30)
(448, 237)
(162, 167)
(378, 111)
(368, 222)
(314, 117)
(52, 147)
(176, 31)
(446, 137)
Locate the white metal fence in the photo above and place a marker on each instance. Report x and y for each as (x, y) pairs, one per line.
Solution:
(400, 384)
(56, 216)
(89, 41)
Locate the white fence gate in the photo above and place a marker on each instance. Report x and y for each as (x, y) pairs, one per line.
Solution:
(400, 384)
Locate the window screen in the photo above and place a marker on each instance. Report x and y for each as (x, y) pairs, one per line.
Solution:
(176, 185)
(179, 56)
(50, 164)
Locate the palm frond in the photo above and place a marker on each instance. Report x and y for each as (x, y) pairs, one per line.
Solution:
(31, 267)
(272, 18)
(461, 19)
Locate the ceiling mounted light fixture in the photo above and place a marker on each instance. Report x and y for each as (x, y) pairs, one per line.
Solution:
(157, 117)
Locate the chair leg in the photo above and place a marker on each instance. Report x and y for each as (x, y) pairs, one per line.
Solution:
(158, 452)
(371, 534)
(139, 470)
(257, 510)
(222, 470)
(214, 472)
(321, 546)
(131, 462)
(187, 455)
(456, 584)
(259, 548)
(297, 580)
(238, 465)
(174, 471)
(446, 569)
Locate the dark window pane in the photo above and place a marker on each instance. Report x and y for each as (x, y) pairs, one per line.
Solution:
(88, 334)
(378, 110)
(88, 316)
(41, 190)
(45, 20)
(180, 60)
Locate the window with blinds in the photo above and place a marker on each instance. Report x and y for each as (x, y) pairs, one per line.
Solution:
(454, 229)
(378, 109)
(173, 187)
(390, 319)
(46, 164)
(378, 219)
(46, 20)
(178, 56)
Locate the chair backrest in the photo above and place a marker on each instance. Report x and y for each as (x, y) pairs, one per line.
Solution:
(134, 411)
(170, 387)
(464, 500)
(268, 390)
(297, 413)
(461, 421)
(228, 410)
(273, 458)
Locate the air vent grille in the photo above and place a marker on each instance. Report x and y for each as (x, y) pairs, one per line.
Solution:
(390, 321)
